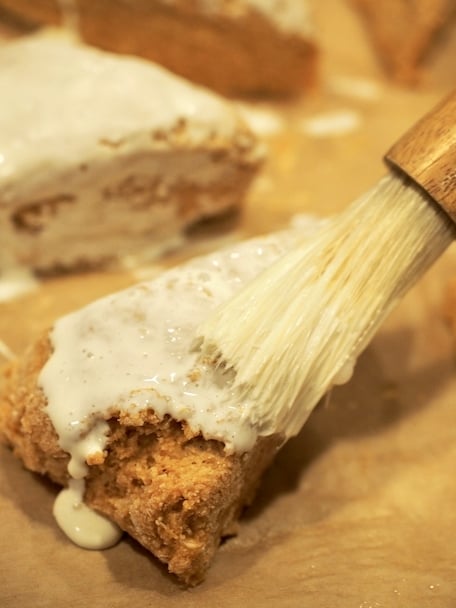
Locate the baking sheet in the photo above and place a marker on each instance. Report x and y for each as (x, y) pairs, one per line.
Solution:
(358, 510)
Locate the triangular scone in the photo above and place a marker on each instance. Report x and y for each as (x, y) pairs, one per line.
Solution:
(105, 156)
(173, 455)
(237, 47)
(403, 31)
(175, 493)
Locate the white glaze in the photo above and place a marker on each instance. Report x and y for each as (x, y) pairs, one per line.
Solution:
(133, 349)
(66, 100)
(83, 525)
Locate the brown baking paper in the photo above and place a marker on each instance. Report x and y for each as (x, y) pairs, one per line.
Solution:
(357, 511)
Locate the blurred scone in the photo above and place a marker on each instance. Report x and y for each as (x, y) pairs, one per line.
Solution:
(403, 31)
(104, 156)
(235, 47)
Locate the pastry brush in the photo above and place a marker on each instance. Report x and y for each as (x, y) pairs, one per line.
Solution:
(298, 328)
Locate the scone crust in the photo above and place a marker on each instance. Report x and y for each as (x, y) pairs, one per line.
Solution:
(173, 491)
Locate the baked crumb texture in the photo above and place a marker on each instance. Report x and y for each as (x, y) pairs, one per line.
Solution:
(404, 31)
(231, 47)
(174, 492)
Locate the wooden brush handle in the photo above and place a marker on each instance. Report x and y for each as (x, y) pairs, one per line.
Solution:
(427, 154)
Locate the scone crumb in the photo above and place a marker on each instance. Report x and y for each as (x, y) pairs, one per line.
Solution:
(96, 458)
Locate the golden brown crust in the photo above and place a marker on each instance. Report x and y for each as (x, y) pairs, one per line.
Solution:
(173, 491)
(403, 32)
(245, 54)
(24, 424)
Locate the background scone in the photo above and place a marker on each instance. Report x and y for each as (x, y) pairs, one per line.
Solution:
(449, 306)
(106, 156)
(404, 32)
(240, 47)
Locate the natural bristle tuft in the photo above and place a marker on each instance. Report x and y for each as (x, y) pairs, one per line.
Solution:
(297, 329)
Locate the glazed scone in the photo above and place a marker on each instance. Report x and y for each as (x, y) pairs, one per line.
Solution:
(116, 398)
(404, 31)
(104, 157)
(237, 47)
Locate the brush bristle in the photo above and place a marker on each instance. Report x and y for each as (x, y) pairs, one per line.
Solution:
(297, 329)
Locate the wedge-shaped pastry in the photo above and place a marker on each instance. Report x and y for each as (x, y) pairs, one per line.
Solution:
(246, 46)
(116, 402)
(103, 156)
(403, 32)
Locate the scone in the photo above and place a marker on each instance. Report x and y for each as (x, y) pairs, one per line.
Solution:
(239, 47)
(105, 157)
(403, 31)
(116, 402)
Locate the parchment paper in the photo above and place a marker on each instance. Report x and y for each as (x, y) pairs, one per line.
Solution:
(357, 511)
